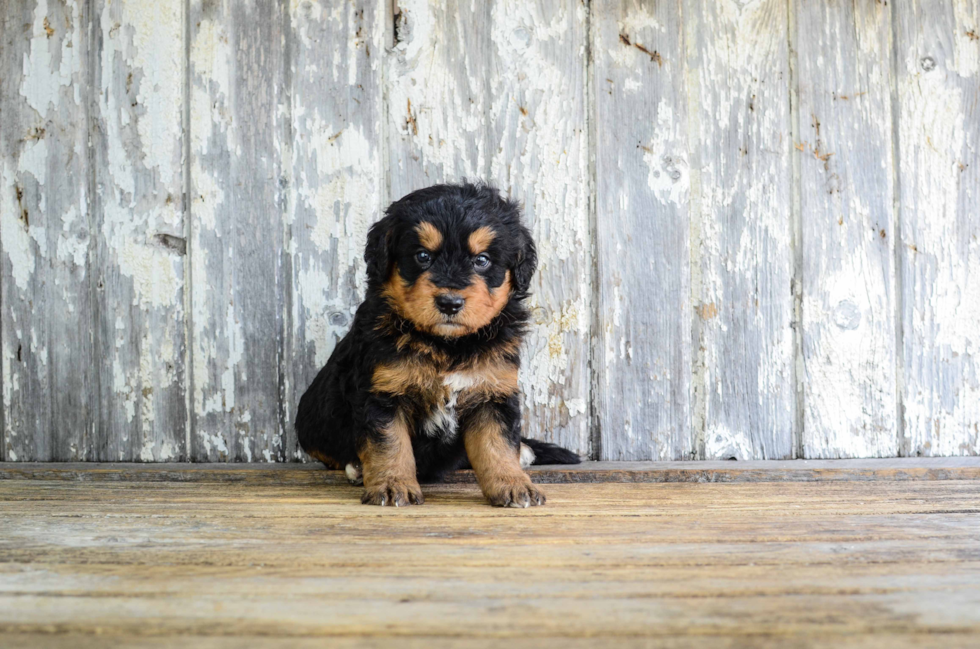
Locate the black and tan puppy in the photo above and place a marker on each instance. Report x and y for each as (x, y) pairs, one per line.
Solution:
(425, 382)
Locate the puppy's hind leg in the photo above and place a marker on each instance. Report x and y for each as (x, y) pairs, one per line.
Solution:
(389, 467)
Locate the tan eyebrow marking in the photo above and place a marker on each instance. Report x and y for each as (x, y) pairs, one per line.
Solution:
(429, 235)
(480, 239)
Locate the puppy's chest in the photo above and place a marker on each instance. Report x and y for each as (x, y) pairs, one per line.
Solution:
(434, 396)
(441, 418)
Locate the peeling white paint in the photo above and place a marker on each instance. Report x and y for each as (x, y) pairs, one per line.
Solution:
(435, 98)
(743, 261)
(535, 144)
(344, 192)
(668, 175)
(966, 38)
(845, 346)
(236, 349)
(154, 272)
(722, 443)
(539, 155)
(546, 356)
(14, 236)
(337, 182)
(326, 318)
(70, 246)
(941, 252)
(43, 80)
(213, 441)
(217, 339)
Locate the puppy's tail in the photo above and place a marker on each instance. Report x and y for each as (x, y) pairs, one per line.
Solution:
(537, 452)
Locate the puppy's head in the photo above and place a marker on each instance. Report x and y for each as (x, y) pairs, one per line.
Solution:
(450, 257)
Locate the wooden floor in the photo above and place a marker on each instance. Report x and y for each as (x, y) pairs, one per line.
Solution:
(114, 559)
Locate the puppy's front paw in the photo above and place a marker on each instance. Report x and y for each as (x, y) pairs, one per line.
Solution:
(393, 491)
(514, 492)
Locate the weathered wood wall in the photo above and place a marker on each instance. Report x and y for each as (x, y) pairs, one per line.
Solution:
(758, 221)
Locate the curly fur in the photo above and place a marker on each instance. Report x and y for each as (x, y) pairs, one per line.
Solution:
(444, 375)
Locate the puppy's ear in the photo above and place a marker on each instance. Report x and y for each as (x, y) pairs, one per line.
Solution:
(377, 252)
(526, 263)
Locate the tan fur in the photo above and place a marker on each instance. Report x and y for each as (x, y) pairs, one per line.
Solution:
(389, 468)
(491, 376)
(416, 303)
(480, 239)
(406, 342)
(406, 376)
(497, 464)
(328, 461)
(489, 382)
(482, 304)
(429, 236)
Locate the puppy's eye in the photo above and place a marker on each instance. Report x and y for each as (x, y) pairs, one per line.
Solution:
(423, 258)
(481, 261)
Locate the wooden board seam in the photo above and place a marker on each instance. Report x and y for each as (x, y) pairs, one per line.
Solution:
(892, 469)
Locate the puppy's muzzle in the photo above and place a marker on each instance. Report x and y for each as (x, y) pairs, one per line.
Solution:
(449, 303)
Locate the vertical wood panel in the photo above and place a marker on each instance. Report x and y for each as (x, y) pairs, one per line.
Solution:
(437, 80)
(336, 55)
(642, 207)
(938, 78)
(139, 251)
(746, 261)
(288, 171)
(237, 242)
(50, 382)
(539, 144)
(847, 201)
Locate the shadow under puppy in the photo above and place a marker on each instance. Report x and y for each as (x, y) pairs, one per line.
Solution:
(425, 381)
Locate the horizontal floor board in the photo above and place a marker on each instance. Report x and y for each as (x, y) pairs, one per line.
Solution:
(832, 563)
(951, 468)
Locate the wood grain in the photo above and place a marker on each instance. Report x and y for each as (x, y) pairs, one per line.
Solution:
(337, 172)
(938, 78)
(694, 565)
(237, 241)
(540, 148)
(49, 290)
(138, 260)
(437, 94)
(847, 197)
(745, 310)
(185, 189)
(643, 331)
(956, 468)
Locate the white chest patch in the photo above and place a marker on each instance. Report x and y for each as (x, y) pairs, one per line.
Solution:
(442, 420)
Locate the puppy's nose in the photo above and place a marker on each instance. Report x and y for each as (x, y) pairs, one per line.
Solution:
(449, 304)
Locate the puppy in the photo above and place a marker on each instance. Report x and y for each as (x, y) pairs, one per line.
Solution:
(425, 382)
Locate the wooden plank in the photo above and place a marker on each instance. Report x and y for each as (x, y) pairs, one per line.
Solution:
(337, 178)
(138, 262)
(745, 312)
(957, 468)
(642, 203)
(49, 359)
(237, 241)
(843, 54)
(938, 79)
(437, 94)
(715, 565)
(851, 640)
(540, 155)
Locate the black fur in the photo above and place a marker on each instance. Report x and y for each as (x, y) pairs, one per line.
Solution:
(546, 453)
(339, 411)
